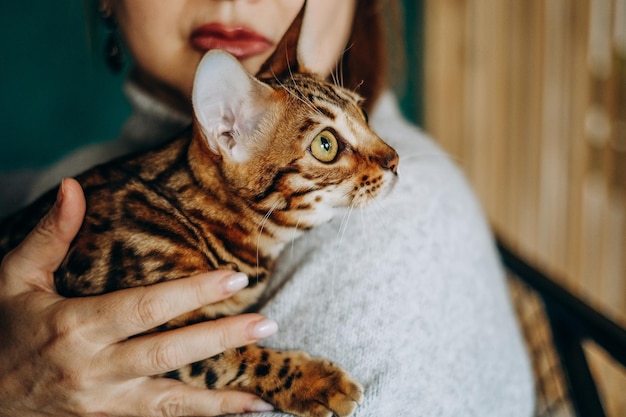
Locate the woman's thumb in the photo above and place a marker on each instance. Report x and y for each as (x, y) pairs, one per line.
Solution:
(45, 247)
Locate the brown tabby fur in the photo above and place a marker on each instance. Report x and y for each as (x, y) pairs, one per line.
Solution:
(186, 208)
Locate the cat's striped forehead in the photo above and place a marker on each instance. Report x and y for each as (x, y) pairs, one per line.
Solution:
(318, 95)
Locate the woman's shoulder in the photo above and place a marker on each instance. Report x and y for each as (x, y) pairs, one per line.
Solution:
(429, 179)
(21, 187)
(75, 163)
(150, 124)
(414, 291)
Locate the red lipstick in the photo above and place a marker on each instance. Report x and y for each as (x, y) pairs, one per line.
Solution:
(241, 42)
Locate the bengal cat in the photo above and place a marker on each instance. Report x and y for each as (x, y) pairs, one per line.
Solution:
(267, 156)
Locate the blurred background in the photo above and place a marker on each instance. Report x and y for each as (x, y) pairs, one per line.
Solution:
(528, 97)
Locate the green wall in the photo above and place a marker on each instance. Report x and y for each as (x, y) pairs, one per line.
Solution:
(411, 96)
(56, 93)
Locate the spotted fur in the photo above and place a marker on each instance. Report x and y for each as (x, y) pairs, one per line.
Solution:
(229, 193)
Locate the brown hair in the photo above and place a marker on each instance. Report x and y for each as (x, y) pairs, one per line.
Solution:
(365, 64)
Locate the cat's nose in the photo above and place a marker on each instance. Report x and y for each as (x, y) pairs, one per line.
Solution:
(390, 162)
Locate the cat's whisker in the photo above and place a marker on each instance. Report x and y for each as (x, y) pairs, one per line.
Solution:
(300, 97)
(338, 243)
(375, 215)
(290, 72)
(345, 51)
(364, 229)
(276, 76)
(376, 201)
(333, 74)
(261, 229)
(364, 223)
(295, 235)
(344, 223)
(377, 210)
(358, 86)
(344, 195)
(337, 74)
(297, 87)
(304, 99)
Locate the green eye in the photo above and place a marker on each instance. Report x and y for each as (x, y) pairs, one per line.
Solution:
(324, 147)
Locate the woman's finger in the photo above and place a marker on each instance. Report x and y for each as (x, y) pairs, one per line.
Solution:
(43, 250)
(132, 311)
(189, 401)
(162, 352)
(166, 397)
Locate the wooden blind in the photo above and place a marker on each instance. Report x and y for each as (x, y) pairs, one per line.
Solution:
(529, 97)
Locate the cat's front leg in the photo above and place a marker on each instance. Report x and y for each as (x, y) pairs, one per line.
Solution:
(292, 381)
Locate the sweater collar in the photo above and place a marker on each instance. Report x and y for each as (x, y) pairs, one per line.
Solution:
(152, 122)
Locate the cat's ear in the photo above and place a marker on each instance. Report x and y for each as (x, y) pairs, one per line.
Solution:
(285, 58)
(228, 104)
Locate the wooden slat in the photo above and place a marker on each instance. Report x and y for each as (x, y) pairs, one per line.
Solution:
(530, 98)
(444, 36)
(509, 92)
(580, 87)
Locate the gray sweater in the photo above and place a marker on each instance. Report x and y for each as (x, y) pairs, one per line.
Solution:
(408, 295)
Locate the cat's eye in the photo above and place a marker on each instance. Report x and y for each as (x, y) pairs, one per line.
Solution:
(325, 146)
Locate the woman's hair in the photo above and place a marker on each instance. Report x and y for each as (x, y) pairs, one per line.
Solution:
(365, 65)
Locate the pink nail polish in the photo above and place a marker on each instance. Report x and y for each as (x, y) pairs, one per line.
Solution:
(259, 406)
(264, 328)
(60, 194)
(236, 282)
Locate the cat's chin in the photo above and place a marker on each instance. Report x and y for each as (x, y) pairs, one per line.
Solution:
(389, 186)
(373, 194)
(325, 214)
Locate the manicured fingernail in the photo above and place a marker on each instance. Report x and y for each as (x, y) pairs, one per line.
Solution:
(260, 405)
(236, 282)
(60, 194)
(264, 328)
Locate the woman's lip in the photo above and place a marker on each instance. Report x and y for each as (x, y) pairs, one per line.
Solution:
(237, 40)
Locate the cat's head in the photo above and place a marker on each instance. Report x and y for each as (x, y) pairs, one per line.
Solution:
(292, 142)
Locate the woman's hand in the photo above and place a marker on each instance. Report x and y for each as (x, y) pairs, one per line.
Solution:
(73, 357)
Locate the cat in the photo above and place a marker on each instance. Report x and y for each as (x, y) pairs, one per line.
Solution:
(267, 156)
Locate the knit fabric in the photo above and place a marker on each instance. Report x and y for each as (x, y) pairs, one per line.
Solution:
(407, 295)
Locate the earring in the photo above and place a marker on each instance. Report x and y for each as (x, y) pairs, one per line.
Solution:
(113, 52)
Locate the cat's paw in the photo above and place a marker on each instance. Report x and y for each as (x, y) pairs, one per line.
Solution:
(292, 381)
(316, 388)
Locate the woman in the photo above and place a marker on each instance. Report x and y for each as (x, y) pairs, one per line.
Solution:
(409, 297)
